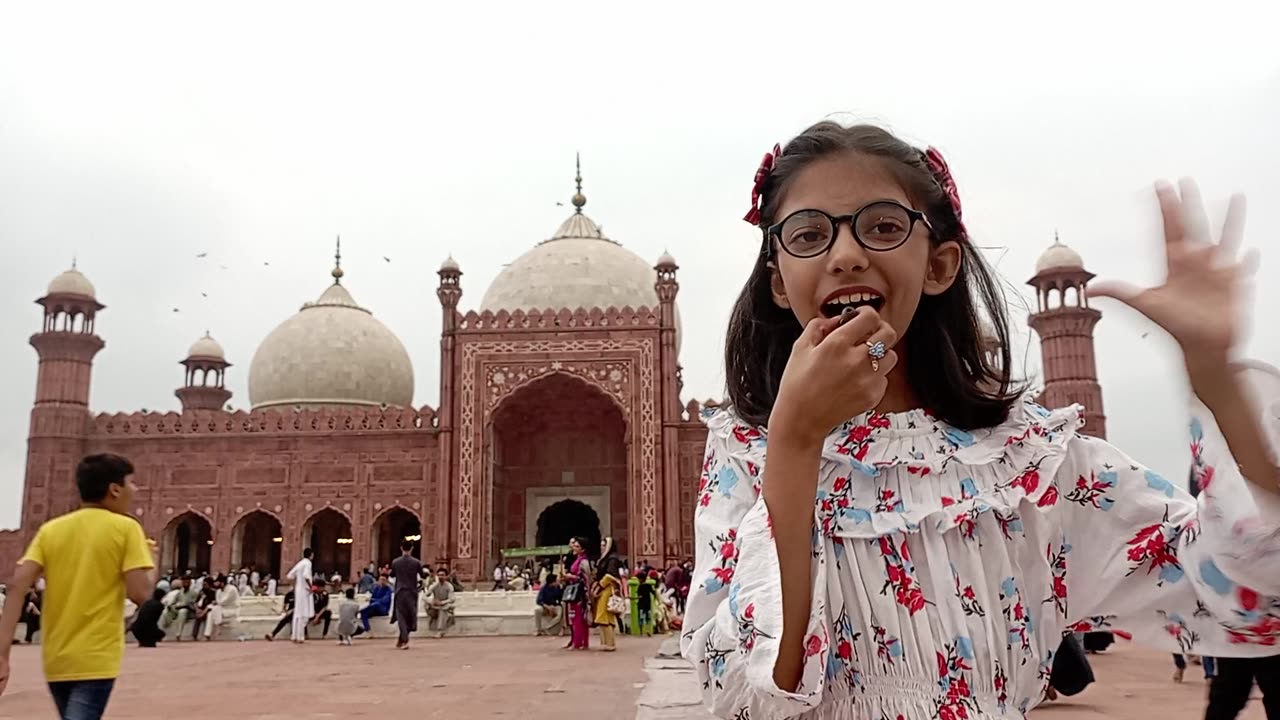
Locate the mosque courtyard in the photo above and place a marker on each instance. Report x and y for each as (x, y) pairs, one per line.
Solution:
(522, 677)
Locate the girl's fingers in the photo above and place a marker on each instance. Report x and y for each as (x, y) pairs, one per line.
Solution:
(1170, 213)
(1195, 224)
(880, 343)
(1233, 229)
(854, 331)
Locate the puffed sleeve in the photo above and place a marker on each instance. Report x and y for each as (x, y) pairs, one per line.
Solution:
(1140, 555)
(733, 620)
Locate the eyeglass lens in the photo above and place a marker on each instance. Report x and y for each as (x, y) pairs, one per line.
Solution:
(878, 226)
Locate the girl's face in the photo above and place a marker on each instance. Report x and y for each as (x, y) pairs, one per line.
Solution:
(574, 546)
(894, 279)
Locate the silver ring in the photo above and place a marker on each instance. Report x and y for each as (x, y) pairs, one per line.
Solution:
(877, 351)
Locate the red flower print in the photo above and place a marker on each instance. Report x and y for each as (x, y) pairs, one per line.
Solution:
(1248, 599)
(1049, 498)
(727, 550)
(878, 421)
(812, 646)
(859, 433)
(839, 484)
(1028, 481)
(845, 650)
(749, 612)
(947, 502)
(704, 500)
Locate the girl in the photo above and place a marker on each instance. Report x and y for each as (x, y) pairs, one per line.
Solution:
(576, 602)
(923, 558)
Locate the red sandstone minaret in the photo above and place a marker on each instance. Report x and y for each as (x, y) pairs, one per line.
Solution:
(449, 292)
(204, 387)
(1064, 321)
(669, 396)
(59, 420)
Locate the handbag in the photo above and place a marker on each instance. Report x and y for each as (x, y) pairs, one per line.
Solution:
(617, 605)
(572, 593)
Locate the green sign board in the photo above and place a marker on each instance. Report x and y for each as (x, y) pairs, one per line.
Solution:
(535, 551)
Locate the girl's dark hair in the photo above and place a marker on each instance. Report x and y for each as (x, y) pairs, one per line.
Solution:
(946, 347)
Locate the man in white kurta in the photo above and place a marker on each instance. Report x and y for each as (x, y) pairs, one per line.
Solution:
(303, 607)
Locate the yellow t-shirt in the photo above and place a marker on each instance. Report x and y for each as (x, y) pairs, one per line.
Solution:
(85, 555)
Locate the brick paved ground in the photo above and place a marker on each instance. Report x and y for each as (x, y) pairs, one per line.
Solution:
(454, 679)
(464, 678)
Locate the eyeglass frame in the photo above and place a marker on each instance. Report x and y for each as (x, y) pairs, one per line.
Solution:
(838, 220)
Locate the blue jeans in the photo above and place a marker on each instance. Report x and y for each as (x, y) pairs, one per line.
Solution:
(81, 699)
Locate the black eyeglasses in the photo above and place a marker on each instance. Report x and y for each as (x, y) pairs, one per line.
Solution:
(878, 227)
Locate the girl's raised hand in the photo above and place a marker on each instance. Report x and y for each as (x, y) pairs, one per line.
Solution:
(1204, 295)
(831, 376)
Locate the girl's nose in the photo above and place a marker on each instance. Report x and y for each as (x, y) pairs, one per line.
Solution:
(846, 254)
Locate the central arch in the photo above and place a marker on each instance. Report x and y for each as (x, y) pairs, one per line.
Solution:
(557, 440)
(187, 544)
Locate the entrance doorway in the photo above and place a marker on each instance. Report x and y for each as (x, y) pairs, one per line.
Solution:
(392, 528)
(328, 533)
(188, 544)
(568, 519)
(255, 542)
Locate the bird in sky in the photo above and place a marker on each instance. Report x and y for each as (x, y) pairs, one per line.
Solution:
(384, 257)
(203, 254)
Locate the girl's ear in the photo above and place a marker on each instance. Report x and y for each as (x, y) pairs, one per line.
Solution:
(776, 287)
(943, 267)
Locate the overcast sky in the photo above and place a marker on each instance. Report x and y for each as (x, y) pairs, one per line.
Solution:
(134, 137)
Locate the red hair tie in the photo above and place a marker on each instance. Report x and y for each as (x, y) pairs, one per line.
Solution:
(942, 173)
(757, 190)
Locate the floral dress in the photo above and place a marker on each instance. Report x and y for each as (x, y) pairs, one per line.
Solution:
(947, 564)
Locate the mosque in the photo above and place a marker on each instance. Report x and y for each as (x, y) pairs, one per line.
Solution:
(560, 414)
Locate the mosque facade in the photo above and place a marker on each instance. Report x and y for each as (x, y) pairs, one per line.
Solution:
(560, 414)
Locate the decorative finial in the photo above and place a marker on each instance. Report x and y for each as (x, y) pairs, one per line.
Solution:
(579, 200)
(1056, 241)
(337, 263)
(73, 262)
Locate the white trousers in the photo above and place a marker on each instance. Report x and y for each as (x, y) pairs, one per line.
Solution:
(216, 617)
(299, 630)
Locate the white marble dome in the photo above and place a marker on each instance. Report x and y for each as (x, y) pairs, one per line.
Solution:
(577, 268)
(332, 352)
(71, 282)
(206, 347)
(1059, 257)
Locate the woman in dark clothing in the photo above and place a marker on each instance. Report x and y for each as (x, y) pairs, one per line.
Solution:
(146, 622)
(31, 614)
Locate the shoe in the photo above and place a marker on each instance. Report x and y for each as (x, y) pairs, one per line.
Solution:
(1177, 675)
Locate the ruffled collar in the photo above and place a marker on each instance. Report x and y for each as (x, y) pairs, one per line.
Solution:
(915, 438)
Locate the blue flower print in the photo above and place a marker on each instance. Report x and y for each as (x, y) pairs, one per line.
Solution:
(958, 437)
(727, 478)
(964, 647)
(1214, 578)
(1158, 483)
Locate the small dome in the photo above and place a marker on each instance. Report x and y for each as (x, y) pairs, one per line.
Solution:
(1059, 257)
(332, 352)
(666, 261)
(72, 282)
(206, 347)
(450, 265)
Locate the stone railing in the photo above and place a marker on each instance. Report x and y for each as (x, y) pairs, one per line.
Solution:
(595, 319)
(275, 421)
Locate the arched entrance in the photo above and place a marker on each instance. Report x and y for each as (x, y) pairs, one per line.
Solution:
(187, 544)
(392, 528)
(328, 533)
(557, 439)
(255, 543)
(568, 519)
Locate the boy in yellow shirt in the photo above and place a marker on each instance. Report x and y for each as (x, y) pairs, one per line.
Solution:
(90, 558)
